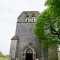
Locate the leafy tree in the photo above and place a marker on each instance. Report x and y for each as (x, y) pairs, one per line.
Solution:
(47, 25)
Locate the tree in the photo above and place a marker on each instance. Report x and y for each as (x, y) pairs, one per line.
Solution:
(47, 25)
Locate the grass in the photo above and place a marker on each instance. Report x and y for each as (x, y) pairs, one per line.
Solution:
(3, 58)
(6, 58)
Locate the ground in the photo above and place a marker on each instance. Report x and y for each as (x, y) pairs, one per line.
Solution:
(3, 58)
(6, 58)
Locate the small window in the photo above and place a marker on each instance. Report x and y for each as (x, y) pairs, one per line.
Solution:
(27, 18)
(33, 18)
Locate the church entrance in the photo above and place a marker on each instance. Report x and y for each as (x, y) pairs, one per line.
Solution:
(29, 54)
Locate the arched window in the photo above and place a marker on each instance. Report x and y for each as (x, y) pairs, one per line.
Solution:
(29, 50)
(33, 18)
(29, 54)
(27, 18)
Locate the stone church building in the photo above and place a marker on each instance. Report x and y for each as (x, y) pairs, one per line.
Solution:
(24, 45)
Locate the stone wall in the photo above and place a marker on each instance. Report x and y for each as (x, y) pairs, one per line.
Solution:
(52, 54)
(58, 55)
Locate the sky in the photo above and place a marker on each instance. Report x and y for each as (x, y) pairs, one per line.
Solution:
(9, 11)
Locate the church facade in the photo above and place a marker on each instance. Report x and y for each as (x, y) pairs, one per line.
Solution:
(24, 45)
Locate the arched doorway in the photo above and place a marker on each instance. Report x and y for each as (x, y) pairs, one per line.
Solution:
(29, 54)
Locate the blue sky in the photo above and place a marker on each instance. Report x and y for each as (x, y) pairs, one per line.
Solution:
(9, 11)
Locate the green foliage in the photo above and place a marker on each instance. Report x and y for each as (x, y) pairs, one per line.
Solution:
(47, 25)
(54, 6)
(52, 3)
(2, 55)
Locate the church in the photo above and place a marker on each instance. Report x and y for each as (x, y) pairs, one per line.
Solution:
(24, 44)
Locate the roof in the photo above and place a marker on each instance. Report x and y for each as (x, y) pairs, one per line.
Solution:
(15, 38)
(28, 12)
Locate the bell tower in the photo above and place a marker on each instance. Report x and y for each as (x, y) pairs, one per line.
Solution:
(24, 45)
